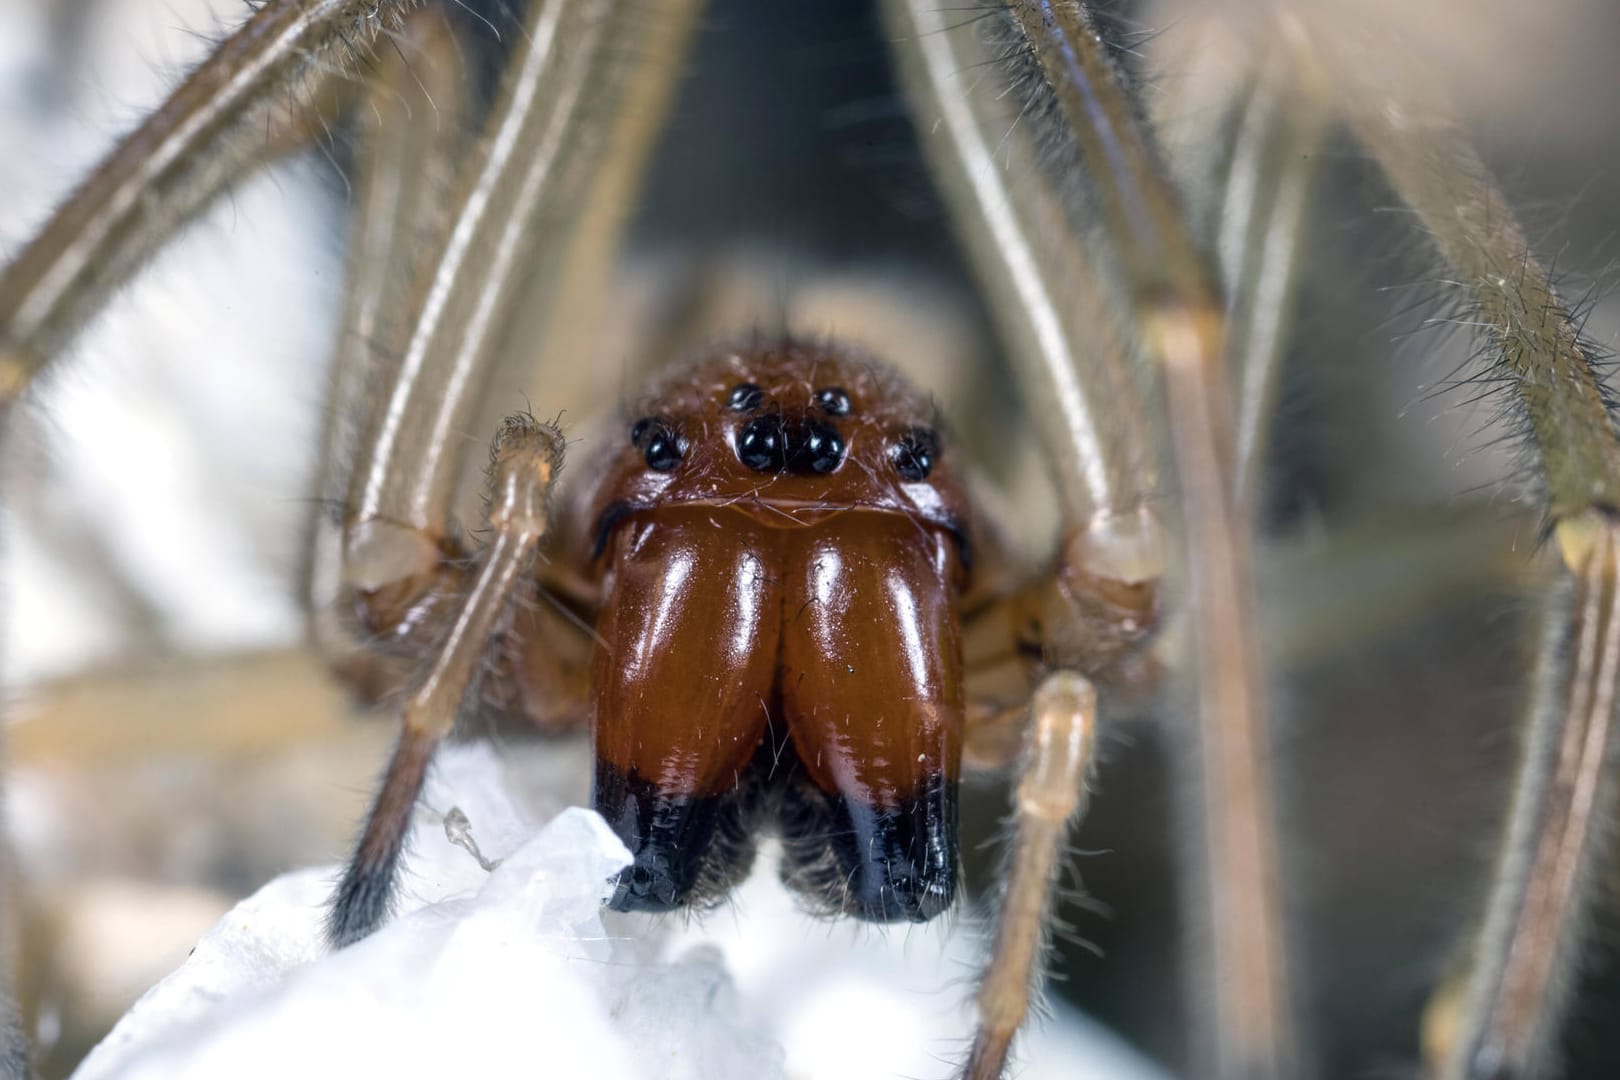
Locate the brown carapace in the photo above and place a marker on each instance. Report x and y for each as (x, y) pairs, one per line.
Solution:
(780, 548)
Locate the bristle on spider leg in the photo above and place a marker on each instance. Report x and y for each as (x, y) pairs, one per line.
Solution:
(1534, 345)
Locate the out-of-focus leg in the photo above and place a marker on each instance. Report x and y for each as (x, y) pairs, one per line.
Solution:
(262, 92)
(413, 126)
(1504, 1017)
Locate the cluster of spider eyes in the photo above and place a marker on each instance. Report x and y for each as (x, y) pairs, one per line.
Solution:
(765, 444)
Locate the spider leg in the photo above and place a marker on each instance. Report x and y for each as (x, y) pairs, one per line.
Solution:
(1262, 218)
(1243, 138)
(1049, 803)
(1505, 1018)
(1046, 294)
(1538, 913)
(259, 95)
(1180, 327)
(569, 103)
(1071, 363)
(525, 461)
(413, 129)
(571, 100)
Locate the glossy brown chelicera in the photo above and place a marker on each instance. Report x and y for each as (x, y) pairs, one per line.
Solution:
(778, 546)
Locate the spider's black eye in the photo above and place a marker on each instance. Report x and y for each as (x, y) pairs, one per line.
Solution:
(658, 443)
(745, 397)
(762, 445)
(914, 454)
(818, 449)
(833, 400)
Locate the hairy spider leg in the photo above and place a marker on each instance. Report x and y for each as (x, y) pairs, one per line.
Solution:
(570, 106)
(1503, 1018)
(266, 90)
(1049, 801)
(525, 461)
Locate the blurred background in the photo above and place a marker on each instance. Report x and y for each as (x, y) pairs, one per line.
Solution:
(171, 745)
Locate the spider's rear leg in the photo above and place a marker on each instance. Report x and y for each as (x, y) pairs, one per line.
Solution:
(1505, 1017)
(526, 458)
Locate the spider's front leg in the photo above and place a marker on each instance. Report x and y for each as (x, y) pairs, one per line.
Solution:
(571, 108)
(526, 458)
(1072, 630)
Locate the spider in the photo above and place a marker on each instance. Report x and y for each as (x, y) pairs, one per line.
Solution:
(1054, 184)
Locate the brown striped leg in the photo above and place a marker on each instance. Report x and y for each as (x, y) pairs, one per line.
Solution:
(1503, 1017)
(1080, 138)
(263, 92)
(527, 456)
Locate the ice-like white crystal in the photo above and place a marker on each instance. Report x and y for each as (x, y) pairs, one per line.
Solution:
(519, 972)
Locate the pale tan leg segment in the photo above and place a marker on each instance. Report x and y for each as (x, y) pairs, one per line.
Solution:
(1050, 799)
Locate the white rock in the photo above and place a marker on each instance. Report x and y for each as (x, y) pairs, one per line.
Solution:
(518, 972)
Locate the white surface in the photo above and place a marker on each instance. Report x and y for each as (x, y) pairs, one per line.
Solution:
(518, 973)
